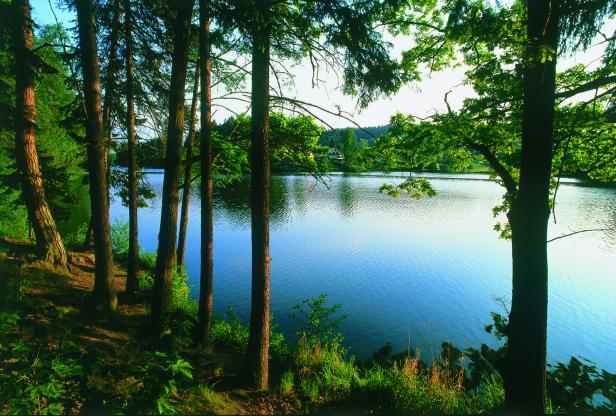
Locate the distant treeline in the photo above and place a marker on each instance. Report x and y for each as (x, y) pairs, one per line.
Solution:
(333, 138)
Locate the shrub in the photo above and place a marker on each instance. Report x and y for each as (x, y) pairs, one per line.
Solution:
(317, 322)
(229, 334)
(119, 236)
(287, 382)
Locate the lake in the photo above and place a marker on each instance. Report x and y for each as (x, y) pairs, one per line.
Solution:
(407, 272)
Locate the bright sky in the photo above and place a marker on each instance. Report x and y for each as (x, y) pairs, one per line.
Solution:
(420, 99)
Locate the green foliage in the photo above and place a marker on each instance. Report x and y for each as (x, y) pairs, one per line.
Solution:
(180, 294)
(325, 373)
(229, 333)
(414, 187)
(37, 379)
(59, 133)
(210, 397)
(318, 325)
(120, 236)
(287, 383)
(161, 377)
(577, 386)
(119, 182)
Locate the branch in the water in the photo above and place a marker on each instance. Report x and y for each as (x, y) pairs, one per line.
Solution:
(578, 232)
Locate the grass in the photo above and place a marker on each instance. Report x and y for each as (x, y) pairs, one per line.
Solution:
(287, 383)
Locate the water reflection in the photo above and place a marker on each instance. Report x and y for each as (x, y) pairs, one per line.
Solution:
(427, 270)
(346, 197)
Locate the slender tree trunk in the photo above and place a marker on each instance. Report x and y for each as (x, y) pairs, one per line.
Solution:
(165, 259)
(258, 341)
(187, 169)
(207, 227)
(524, 374)
(133, 233)
(104, 293)
(48, 239)
(110, 75)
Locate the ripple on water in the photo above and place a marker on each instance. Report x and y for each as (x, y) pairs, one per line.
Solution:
(429, 269)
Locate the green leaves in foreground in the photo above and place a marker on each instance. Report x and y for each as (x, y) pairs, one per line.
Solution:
(414, 187)
(318, 321)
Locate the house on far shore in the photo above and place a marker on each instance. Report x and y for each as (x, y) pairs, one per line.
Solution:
(335, 155)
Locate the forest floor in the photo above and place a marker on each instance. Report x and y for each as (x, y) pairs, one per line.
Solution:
(110, 352)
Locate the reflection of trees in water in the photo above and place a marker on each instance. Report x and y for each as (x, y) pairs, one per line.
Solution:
(233, 201)
(609, 224)
(347, 197)
(300, 186)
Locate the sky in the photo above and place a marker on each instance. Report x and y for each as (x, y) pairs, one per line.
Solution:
(421, 98)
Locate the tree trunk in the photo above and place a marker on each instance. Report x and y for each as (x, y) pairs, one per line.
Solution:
(187, 169)
(88, 241)
(165, 259)
(104, 293)
(133, 233)
(258, 341)
(524, 372)
(110, 75)
(48, 239)
(207, 228)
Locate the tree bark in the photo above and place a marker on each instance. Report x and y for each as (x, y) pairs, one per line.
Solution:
(258, 341)
(48, 240)
(88, 241)
(207, 227)
(165, 259)
(104, 293)
(524, 373)
(110, 74)
(110, 83)
(133, 232)
(187, 173)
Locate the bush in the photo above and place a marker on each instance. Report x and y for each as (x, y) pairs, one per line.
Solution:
(229, 334)
(287, 382)
(120, 236)
(180, 294)
(318, 324)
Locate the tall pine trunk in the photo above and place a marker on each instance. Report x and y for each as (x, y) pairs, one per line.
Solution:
(104, 293)
(109, 90)
(48, 240)
(524, 374)
(258, 341)
(133, 232)
(207, 228)
(166, 256)
(190, 141)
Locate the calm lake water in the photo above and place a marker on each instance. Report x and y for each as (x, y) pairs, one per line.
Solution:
(405, 271)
